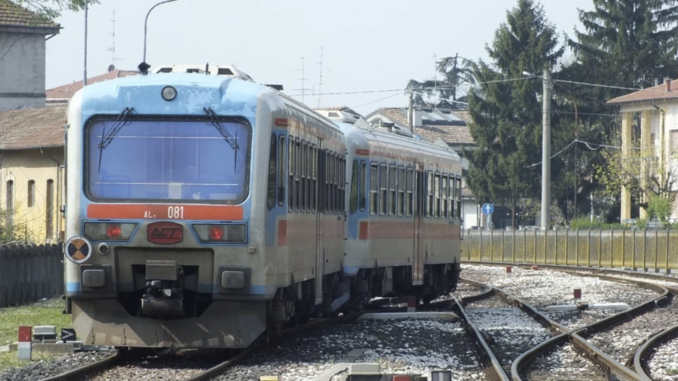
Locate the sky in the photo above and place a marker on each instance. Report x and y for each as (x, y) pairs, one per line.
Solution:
(365, 46)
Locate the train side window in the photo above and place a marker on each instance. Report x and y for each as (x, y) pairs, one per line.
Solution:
(362, 185)
(429, 195)
(409, 184)
(383, 187)
(353, 202)
(436, 194)
(374, 188)
(290, 183)
(314, 174)
(303, 167)
(308, 175)
(297, 169)
(451, 196)
(392, 187)
(342, 179)
(335, 183)
(281, 170)
(328, 177)
(400, 201)
(458, 197)
(272, 172)
(443, 195)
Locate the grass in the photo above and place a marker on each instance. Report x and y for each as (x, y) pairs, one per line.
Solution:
(41, 313)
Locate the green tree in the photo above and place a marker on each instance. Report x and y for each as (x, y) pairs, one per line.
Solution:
(507, 115)
(455, 72)
(627, 43)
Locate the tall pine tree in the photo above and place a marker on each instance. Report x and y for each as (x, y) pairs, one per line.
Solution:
(507, 117)
(631, 43)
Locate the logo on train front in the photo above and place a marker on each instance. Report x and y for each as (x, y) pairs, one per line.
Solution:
(165, 232)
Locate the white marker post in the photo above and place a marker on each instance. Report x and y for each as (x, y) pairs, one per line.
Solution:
(24, 345)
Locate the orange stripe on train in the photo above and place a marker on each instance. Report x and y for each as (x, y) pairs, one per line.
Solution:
(166, 212)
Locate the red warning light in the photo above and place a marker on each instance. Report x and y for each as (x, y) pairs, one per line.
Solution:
(113, 231)
(216, 233)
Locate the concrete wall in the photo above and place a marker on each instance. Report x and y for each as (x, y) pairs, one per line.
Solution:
(22, 70)
(30, 165)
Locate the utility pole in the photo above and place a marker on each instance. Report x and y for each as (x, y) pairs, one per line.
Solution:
(320, 81)
(546, 154)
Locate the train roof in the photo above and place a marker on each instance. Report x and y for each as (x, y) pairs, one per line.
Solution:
(364, 137)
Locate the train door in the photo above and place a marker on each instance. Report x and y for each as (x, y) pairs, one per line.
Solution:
(420, 210)
(319, 158)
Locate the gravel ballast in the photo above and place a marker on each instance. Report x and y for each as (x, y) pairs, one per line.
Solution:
(405, 346)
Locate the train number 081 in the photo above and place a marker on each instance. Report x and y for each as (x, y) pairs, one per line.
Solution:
(175, 212)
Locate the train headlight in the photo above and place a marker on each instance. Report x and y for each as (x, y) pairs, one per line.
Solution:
(168, 93)
(231, 233)
(104, 231)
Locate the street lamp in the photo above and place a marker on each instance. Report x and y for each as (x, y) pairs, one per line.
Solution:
(546, 151)
(143, 66)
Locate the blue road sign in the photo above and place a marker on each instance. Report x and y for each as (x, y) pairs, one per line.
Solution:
(488, 209)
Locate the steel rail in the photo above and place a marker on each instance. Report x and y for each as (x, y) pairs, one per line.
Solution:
(642, 354)
(579, 335)
(483, 348)
(74, 374)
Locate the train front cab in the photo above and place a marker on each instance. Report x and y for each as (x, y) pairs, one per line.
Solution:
(178, 260)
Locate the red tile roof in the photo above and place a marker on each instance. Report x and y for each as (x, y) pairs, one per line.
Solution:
(67, 91)
(651, 93)
(32, 128)
(452, 135)
(14, 15)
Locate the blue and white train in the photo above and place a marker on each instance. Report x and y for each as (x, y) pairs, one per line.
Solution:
(203, 210)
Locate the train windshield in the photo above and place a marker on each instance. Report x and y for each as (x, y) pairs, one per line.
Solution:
(155, 160)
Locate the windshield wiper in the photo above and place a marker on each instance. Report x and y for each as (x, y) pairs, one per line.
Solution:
(119, 123)
(230, 139)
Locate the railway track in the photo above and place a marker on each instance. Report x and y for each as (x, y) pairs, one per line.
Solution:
(580, 338)
(123, 359)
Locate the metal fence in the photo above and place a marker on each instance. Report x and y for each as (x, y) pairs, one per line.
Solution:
(30, 273)
(655, 250)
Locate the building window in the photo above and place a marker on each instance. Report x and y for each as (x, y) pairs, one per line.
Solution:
(363, 185)
(31, 193)
(49, 209)
(374, 188)
(9, 203)
(674, 142)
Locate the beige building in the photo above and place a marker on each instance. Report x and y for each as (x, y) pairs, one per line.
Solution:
(655, 143)
(31, 172)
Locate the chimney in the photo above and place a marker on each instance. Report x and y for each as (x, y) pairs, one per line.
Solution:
(668, 84)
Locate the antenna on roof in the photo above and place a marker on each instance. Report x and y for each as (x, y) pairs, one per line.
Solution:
(320, 84)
